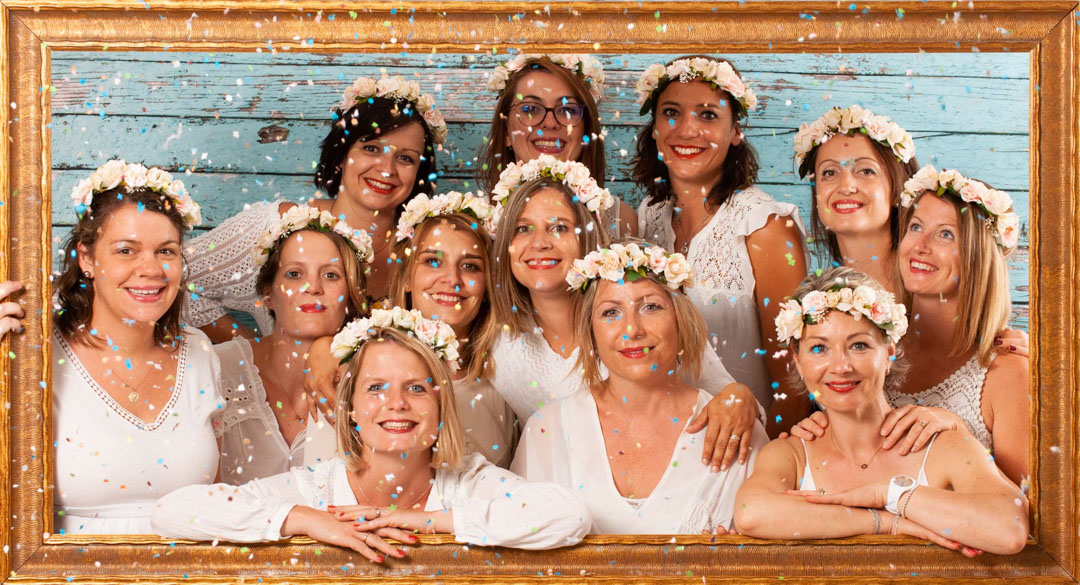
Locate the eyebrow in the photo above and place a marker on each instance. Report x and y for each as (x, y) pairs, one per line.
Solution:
(438, 252)
(861, 158)
(547, 219)
(540, 99)
(921, 220)
(674, 103)
(129, 241)
(849, 337)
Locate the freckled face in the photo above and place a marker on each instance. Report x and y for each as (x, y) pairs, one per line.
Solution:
(558, 132)
(635, 328)
(854, 192)
(396, 404)
(545, 242)
(929, 252)
(843, 362)
(694, 131)
(309, 291)
(379, 174)
(447, 281)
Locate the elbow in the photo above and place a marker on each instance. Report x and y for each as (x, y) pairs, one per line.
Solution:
(1015, 539)
(747, 518)
(578, 521)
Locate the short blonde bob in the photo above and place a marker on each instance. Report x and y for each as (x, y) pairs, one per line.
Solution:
(449, 443)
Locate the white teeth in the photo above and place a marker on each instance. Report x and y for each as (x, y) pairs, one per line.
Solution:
(144, 292)
(397, 425)
(380, 185)
(848, 205)
(541, 262)
(921, 266)
(687, 151)
(547, 143)
(447, 298)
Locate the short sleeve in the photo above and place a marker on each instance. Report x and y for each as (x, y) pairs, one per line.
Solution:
(758, 207)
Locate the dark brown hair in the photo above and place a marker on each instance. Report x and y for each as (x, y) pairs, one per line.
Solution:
(76, 292)
(899, 172)
(497, 153)
(364, 122)
(355, 269)
(740, 166)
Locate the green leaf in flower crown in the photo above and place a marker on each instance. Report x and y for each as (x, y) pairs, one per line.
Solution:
(632, 275)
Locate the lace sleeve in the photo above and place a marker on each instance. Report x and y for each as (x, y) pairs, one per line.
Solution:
(221, 270)
(654, 223)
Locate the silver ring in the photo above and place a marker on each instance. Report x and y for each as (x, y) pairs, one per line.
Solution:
(821, 491)
(733, 437)
(923, 423)
(378, 513)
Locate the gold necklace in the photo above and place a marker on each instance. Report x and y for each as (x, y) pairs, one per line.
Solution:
(687, 237)
(133, 393)
(372, 502)
(861, 465)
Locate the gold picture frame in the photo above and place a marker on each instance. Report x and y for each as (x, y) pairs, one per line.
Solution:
(30, 30)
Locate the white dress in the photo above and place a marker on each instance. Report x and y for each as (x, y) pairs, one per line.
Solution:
(489, 423)
(724, 282)
(564, 443)
(251, 442)
(492, 507)
(529, 374)
(110, 465)
(222, 270)
(960, 393)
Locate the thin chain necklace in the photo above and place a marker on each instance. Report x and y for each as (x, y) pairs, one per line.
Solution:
(861, 465)
(133, 392)
(687, 237)
(372, 502)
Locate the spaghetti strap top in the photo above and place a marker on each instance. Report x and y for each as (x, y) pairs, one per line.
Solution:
(808, 484)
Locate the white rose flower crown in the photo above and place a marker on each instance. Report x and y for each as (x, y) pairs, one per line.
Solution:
(130, 176)
(877, 305)
(422, 207)
(586, 66)
(719, 73)
(399, 89)
(573, 174)
(839, 120)
(433, 333)
(998, 206)
(304, 217)
(629, 262)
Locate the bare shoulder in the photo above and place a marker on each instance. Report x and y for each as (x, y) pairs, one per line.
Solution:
(1007, 381)
(1009, 367)
(285, 206)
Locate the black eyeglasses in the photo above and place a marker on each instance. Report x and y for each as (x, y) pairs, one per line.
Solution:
(533, 114)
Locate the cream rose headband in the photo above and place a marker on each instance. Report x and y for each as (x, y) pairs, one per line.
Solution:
(399, 89)
(431, 332)
(303, 217)
(131, 176)
(877, 305)
(844, 120)
(1001, 219)
(585, 66)
(573, 174)
(719, 73)
(422, 207)
(627, 263)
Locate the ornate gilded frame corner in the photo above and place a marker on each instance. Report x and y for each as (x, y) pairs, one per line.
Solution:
(30, 30)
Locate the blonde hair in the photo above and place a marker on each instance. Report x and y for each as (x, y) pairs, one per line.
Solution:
(510, 298)
(476, 348)
(691, 326)
(450, 442)
(983, 300)
(823, 280)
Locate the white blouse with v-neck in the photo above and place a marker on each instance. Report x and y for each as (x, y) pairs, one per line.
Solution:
(111, 466)
(563, 443)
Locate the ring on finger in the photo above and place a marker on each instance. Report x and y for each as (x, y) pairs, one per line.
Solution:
(378, 513)
(733, 437)
(923, 423)
(821, 491)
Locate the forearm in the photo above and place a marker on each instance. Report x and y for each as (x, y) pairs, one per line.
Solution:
(225, 328)
(993, 522)
(780, 516)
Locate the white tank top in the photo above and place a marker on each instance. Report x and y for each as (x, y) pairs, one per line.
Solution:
(808, 477)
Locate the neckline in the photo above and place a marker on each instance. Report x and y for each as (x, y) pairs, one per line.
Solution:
(705, 229)
(253, 369)
(947, 382)
(112, 403)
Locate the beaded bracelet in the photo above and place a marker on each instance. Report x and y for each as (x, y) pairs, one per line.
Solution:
(877, 520)
(902, 507)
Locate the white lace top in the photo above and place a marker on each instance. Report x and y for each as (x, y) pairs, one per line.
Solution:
(489, 423)
(564, 443)
(252, 445)
(491, 506)
(529, 374)
(111, 466)
(960, 393)
(723, 288)
(222, 270)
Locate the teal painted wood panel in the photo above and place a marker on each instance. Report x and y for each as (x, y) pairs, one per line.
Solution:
(202, 113)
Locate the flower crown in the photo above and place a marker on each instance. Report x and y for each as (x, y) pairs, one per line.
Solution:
(1003, 222)
(629, 262)
(303, 217)
(433, 333)
(573, 174)
(586, 66)
(720, 73)
(130, 176)
(875, 304)
(422, 207)
(843, 120)
(399, 89)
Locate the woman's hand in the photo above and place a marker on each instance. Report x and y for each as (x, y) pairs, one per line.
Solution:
(370, 518)
(869, 495)
(325, 527)
(906, 526)
(913, 426)
(730, 416)
(10, 311)
(320, 381)
(810, 427)
(1013, 341)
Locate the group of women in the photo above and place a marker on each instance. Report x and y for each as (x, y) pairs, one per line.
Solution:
(525, 368)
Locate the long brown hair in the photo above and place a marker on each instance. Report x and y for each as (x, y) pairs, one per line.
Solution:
(76, 292)
(476, 348)
(497, 152)
(740, 166)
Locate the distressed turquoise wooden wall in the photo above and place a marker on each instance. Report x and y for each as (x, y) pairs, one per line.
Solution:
(202, 114)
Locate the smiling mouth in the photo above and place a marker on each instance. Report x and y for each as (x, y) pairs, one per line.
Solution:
(447, 299)
(917, 266)
(687, 151)
(635, 353)
(397, 426)
(847, 206)
(548, 145)
(542, 263)
(842, 387)
(146, 295)
(379, 186)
